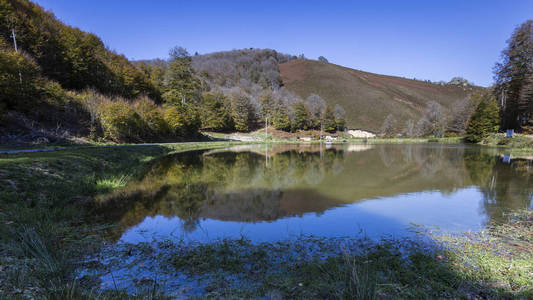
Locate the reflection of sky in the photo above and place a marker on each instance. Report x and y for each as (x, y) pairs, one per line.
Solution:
(455, 212)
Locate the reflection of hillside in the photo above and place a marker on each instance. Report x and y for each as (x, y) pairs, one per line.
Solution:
(248, 186)
(390, 170)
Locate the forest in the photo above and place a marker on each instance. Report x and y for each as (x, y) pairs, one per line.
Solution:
(61, 80)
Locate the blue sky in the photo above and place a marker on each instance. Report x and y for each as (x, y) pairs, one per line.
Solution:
(428, 39)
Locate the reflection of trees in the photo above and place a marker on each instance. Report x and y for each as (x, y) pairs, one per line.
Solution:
(225, 186)
(505, 187)
(242, 187)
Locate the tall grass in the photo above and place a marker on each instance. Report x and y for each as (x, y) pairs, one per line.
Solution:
(360, 282)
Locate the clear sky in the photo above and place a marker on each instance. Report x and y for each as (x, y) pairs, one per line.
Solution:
(428, 39)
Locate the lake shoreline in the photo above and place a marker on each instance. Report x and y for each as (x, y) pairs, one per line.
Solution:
(54, 208)
(431, 265)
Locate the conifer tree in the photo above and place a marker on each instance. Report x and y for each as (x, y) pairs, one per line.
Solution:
(329, 120)
(300, 117)
(484, 121)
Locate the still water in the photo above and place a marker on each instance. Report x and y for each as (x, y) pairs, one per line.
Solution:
(278, 192)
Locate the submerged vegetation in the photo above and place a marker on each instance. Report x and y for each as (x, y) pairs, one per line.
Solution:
(488, 265)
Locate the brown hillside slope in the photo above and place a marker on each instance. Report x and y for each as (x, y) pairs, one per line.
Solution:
(367, 98)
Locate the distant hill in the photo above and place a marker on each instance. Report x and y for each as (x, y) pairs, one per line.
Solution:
(366, 97)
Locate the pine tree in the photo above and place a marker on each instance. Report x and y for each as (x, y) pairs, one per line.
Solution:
(242, 111)
(267, 105)
(216, 112)
(300, 116)
(280, 118)
(181, 85)
(329, 120)
(484, 121)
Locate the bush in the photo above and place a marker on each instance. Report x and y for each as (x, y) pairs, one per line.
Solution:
(120, 122)
(53, 92)
(182, 120)
(152, 116)
(450, 134)
(504, 141)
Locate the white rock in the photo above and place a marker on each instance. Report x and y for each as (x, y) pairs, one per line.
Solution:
(361, 134)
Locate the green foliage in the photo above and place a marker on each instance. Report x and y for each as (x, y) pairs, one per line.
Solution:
(138, 120)
(267, 105)
(300, 116)
(280, 119)
(120, 121)
(181, 85)
(182, 120)
(216, 112)
(514, 77)
(153, 117)
(19, 80)
(243, 112)
(341, 124)
(484, 121)
(70, 56)
(329, 120)
(54, 93)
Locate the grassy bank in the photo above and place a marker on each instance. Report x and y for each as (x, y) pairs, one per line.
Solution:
(520, 146)
(45, 212)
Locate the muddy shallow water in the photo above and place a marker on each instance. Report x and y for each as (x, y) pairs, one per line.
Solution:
(277, 192)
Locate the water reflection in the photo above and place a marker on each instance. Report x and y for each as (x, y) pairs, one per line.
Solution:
(269, 193)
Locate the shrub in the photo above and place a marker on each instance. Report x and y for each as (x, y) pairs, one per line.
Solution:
(53, 92)
(152, 116)
(120, 122)
(182, 120)
(450, 134)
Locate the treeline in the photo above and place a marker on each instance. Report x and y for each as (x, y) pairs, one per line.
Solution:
(238, 90)
(435, 120)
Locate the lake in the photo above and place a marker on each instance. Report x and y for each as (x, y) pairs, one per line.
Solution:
(279, 192)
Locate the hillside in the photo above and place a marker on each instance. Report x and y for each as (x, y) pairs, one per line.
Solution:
(366, 97)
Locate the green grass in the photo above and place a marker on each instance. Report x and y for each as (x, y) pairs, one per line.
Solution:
(502, 256)
(520, 146)
(519, 141)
